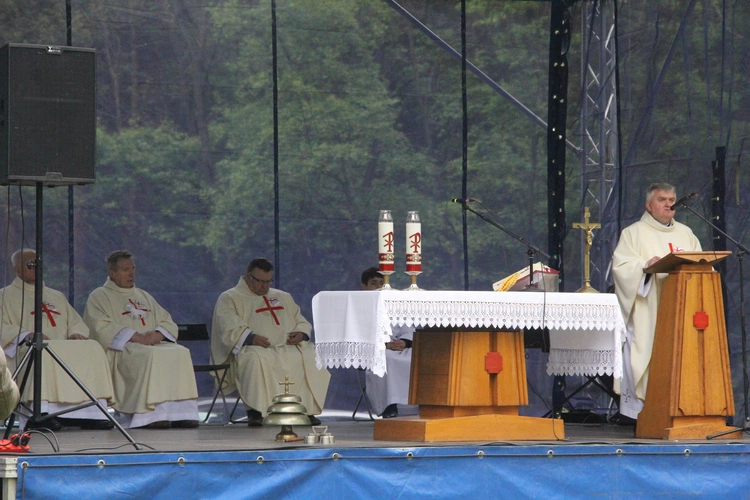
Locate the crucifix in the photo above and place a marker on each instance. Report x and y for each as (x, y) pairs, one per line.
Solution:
(589, 228)
(286, 384)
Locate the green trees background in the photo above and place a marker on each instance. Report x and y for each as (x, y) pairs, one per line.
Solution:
(370, 118)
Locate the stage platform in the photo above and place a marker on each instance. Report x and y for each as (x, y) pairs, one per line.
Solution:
(235, 461)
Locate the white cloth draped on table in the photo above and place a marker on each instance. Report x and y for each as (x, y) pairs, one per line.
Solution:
(586, 329)
(355, 327)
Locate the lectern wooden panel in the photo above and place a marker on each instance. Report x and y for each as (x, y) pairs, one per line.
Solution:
(468, 385)
(689, 392)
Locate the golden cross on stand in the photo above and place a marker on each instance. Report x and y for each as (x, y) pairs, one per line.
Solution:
(589, 228)
(286, 384)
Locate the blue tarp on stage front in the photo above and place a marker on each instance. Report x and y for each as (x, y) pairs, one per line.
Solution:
(493, 471)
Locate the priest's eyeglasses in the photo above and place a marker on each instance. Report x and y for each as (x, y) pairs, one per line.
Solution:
(262, 282)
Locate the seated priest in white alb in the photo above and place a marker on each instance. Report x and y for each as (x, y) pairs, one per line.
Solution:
(392, 389)
(9, 396)
(261, 333)
(152, 375)
(67, 336)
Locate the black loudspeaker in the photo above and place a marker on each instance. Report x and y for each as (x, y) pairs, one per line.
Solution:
(47, 114)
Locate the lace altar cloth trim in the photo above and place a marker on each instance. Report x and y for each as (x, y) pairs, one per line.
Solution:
(351, 355)
(578, 362)
(484, 313)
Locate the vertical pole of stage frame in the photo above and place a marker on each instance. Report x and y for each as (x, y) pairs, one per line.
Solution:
(38, 288)
(464, 144)
(71, 198)
(274, 61)
(557, 110)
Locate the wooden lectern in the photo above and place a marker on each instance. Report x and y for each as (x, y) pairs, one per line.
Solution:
(689, 392)
(468, 385)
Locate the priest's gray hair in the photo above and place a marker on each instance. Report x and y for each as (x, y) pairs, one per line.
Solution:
(15, 259)
(115, 257)
(659, 186)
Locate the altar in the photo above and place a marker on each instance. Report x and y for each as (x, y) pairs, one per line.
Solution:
(468, 366)
(586, 329)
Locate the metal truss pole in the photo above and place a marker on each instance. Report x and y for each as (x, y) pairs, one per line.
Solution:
(598, 123)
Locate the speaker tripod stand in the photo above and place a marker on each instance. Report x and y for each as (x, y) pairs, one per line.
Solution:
(33, 356)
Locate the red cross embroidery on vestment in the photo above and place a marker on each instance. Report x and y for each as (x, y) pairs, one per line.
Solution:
(49, 309)
(271, 309)
(136, 310)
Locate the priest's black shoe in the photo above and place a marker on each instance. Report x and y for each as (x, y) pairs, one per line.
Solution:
(96, 425)
(390, 411)
(185, 424)
(86, 423)
(49, 423)
(254, 418)
(314, 420)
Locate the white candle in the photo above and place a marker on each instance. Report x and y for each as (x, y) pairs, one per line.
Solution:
(386, 243)
(413, 243)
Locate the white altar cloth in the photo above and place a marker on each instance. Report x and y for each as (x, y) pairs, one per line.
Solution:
(586, 329)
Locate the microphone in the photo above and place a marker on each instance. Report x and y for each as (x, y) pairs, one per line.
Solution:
(462, 201)
(682, 200)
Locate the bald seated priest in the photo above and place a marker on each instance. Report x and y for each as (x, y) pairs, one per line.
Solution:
(641, 245)
(68, 337)
(261, 333)
(152, 375)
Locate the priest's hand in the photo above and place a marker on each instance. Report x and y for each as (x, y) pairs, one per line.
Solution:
(154, 337)
(295, 338)
(261, 341)
(653, 261)
(396, 345)
(77, 336)
(149, 338)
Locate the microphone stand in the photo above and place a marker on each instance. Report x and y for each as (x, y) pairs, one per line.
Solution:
(558, 388)
(531, 249)
(742, 250)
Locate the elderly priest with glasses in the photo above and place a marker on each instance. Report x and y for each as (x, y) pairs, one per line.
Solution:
(261, 333)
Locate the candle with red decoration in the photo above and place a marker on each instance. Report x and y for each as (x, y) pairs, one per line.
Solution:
(413, 243)
(386, 243)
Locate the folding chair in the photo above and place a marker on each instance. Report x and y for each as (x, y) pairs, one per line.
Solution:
(199, 333)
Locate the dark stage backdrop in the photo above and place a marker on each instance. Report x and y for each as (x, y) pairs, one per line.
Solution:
(370, 117)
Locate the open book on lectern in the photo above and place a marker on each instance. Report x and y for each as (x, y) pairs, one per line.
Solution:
(674, 259)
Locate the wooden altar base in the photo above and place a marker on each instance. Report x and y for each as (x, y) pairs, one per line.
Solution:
(469, 385)
(471, 428)
(690, 428)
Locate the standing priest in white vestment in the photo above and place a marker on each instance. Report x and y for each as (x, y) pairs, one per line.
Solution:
(261, 333)
(152, 375)
(392, 389)
(641, 245)
(67, 336)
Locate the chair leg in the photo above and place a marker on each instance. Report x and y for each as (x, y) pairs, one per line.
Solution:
(219, 391)
(362, 396)
(234, 409)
